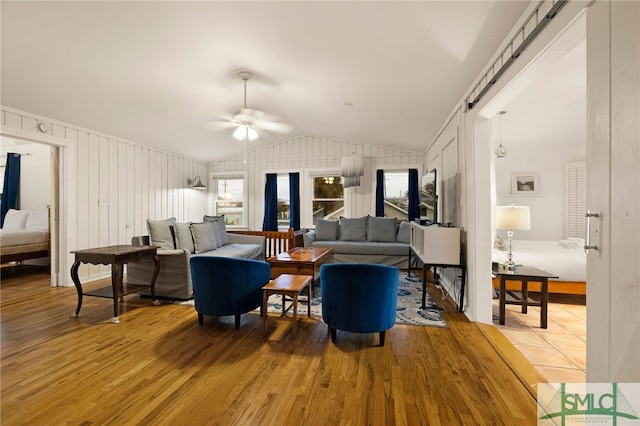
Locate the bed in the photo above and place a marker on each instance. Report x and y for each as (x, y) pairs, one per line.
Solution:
(25, 235)
(564, 258)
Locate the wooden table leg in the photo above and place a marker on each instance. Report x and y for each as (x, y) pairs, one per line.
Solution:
(156, 270)
(116, 282)
(525, 295)
(309, 301)
(503, 299)
(76, 282)
(295, 315)
(543, 303)
(265, 299)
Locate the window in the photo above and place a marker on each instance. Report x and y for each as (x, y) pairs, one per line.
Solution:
(230, 200)
(284, 201)
(328, 197)
(396, 195)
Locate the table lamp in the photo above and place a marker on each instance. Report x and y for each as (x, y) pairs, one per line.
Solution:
(512, 218)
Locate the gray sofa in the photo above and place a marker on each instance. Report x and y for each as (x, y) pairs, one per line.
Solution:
(178, 242)
(367, 239)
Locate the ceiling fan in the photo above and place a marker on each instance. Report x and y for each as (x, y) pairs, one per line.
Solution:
(250, 122)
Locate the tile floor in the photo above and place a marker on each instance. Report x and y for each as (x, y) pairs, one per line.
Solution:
(558, 352)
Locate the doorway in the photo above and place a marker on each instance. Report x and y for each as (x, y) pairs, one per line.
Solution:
(540, 119)
(38, 191)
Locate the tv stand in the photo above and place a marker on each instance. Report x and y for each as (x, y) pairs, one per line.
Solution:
(437, 247)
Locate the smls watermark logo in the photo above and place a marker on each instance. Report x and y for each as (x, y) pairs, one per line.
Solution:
(589, 404)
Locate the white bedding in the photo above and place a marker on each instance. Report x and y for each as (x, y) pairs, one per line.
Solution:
(565, 258)
(18, 237)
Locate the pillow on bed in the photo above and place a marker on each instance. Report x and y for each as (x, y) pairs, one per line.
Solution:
(15, 219)
(38, 219)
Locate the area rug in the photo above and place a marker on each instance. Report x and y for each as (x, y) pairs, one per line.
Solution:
(408, 310)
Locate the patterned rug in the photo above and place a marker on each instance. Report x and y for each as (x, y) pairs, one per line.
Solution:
(408, 310)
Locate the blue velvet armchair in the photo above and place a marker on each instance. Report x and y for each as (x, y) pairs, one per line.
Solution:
(359, 297)
(227, 286)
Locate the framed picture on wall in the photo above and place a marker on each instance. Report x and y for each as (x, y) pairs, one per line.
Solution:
(525, 183)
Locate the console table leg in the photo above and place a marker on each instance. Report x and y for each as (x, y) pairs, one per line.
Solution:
(116, 282)
(76, 282)
(424, 286)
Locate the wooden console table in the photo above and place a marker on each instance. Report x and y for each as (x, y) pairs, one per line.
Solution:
(117, 257)
(524, 274)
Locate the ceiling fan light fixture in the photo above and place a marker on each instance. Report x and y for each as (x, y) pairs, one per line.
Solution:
(245, 130)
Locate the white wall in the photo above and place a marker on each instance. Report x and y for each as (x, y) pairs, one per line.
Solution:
(548, 209)
(35, 173)
(135, 182)
(311, 153)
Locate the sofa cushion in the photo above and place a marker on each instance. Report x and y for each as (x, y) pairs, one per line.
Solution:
(382, 229)
(183, 236)
(364, 248)
(222, 237)
(204, 238)
(353, 229)
(238, 251)
(326, 230)
(160, 234)
(404, 230)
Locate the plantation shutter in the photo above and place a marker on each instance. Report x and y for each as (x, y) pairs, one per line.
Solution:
(576, 198)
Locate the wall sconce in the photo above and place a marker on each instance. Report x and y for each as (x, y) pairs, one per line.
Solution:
(195, 183)
(351, 169)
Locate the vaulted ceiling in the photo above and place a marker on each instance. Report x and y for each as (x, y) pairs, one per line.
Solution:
(165, 74)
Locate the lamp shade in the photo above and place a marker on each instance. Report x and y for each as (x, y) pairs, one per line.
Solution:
(352, 166)
(513, 218)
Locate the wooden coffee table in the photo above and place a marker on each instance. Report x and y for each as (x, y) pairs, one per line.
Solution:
(300, 261)
(290, 287)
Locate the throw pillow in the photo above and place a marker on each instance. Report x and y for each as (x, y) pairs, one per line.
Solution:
(382, 229)
(183, 236)
(15, 219)
(204, 238)
(404, 233)
(326, 230)
(222, 228)
(160, 234)
(353, 229)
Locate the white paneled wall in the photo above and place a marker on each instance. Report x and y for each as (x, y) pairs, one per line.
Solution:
(110, 186)
(308, 153)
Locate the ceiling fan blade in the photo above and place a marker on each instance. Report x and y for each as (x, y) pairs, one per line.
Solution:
(268, 122)
(274, 126)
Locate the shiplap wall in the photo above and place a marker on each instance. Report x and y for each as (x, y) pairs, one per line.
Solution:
(136, 182)
(310, 153)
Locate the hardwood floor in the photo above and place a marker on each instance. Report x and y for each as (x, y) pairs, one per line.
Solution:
(158, 366)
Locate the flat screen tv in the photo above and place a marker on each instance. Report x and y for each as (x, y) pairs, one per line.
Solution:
(429, 198)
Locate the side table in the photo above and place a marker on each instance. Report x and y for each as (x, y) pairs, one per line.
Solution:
(524, 274)
(116, 256)
(290, 287)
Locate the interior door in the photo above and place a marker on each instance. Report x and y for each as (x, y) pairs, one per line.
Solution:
(613, 178)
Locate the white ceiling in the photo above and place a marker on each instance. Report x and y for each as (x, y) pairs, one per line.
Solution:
(163, 73)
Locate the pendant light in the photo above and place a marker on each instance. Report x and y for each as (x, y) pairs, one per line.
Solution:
(501, 151)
